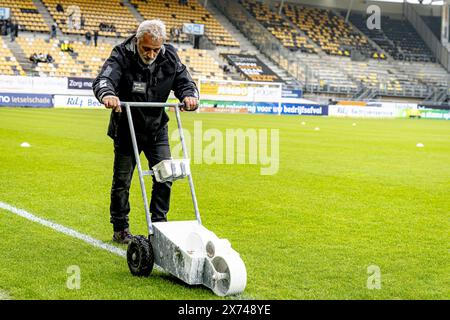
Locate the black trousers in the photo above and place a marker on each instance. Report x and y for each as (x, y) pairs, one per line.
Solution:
(156, 148)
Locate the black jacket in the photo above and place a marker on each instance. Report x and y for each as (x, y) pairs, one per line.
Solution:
(124, 75)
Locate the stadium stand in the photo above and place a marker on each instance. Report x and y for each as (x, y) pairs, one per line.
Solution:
(404, 36)
(8, 63)
(85, 61)
(110, 18)
(174, 15)
(397, 37)
(431, 74)
(278, 26)
(341, 74)
(201, 64)
(319, 42)
(311, 69)
(26, 15)
(335, 71)
(380, 75)
(325, 73)
(327, 30)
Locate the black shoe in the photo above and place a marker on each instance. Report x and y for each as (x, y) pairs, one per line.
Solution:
(122, 237)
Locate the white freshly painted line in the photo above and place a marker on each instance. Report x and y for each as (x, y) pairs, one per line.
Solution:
(4, 295)
(62, 229)
(72, 233)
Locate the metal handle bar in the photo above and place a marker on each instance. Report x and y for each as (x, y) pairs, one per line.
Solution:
(151, 104)
(128, 106)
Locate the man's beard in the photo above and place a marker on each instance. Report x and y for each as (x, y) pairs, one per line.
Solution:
(146, 61)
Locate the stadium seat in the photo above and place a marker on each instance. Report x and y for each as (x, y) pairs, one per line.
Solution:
(432, 74)
(26, 15)
(397, 37)
(328, 31)
(110, 18)
(279, 27)
(85, 62)
(201, 64)
(8, 63)
(174, 15)
(319, 30)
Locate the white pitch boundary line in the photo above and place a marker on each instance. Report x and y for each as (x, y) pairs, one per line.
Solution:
(4, 295)
(67, 231)
(62, 229)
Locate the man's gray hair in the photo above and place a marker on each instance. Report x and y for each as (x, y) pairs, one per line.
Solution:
(155, 28)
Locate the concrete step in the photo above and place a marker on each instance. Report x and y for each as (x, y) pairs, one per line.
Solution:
(20, 56)
(134, 11)
(245, 44)
(281, 73)
(48, 19)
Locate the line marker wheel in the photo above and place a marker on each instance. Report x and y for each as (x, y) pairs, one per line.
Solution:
(140, 256)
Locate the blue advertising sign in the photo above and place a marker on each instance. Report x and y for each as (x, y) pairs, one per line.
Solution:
(289, 108)
(79, 83)
(296, 94)
(304, 109)
(263, 107)
(26, 100)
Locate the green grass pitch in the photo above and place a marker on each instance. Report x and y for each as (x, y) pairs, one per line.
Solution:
(345, 198)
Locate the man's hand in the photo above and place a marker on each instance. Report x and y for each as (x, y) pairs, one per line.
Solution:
(112, 102)
(190, 104)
